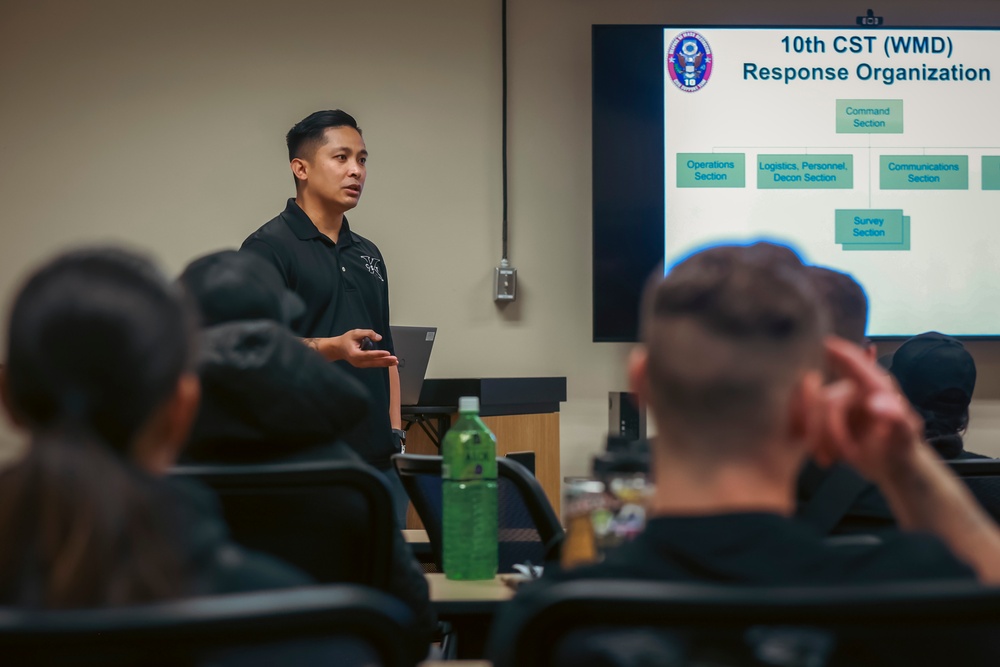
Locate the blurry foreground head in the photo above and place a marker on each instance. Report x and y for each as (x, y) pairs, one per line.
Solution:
(100, 348)
(729, 336)
(231, 286)
(99, 342)
(938, 375)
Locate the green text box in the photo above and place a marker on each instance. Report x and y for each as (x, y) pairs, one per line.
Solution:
(905, 245)
(805, 172)
(991, 172)
(711, 170)
(874, 226)
(924, 172)
(869, 116)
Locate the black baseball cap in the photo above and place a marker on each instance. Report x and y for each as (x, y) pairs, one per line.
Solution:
(231, 286)
(935, 371)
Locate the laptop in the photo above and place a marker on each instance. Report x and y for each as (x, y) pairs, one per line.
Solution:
(413, 349)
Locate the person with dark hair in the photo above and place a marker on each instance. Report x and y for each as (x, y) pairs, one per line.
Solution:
(846, 304)
(340, 276)
(836, 499)
(938, 375)
(267, 397)
(731, 366)
(100, 372)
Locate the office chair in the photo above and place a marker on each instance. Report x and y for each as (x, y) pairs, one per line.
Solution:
(331, 519)
(343, 625)
(617, 622)
(529, 529)
(982, 476)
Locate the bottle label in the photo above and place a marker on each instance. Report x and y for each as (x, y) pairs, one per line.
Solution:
(471, 456)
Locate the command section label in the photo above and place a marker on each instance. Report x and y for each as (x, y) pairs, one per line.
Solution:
(924, 172)
(801, 172)
(871, 228)
(711, 170)
(869, 116)
(991, 172)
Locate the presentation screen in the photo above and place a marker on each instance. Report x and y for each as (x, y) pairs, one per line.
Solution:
(875, 152)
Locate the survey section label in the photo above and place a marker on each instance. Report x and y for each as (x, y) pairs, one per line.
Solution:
(869, 116)
(805, 172)
(905, 245)
(881, 227)
(711, 170)
(924, 172)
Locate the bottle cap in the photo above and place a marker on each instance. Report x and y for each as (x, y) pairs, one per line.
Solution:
(468, 404)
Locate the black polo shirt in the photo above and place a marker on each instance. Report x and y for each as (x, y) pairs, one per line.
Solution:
(344, 286)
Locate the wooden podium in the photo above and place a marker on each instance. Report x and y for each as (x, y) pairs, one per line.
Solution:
(522, 412)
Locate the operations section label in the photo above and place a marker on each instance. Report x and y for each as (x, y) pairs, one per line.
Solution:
(924, 172)
(873, 226)
(869, 116)
(991, 172)
(711, 170)
(805, 172)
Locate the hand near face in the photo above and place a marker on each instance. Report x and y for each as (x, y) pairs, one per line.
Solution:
(866, 421)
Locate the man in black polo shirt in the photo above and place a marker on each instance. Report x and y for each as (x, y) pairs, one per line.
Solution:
(339, 274)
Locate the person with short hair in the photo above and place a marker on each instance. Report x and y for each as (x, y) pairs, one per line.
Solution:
(340, 276)
(101, 351)
(836, 499)
(731, 366)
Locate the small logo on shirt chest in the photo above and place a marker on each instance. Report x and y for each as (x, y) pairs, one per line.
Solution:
(372, 264)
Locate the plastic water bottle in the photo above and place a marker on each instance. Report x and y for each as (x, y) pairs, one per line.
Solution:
(469, 495)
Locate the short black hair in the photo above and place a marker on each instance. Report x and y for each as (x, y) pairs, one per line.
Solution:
(846, 301)
(310, 130)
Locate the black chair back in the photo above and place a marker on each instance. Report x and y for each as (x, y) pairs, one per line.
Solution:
(982, 476)
(332, 519)
(617, 622)
(528, 529)
(343, 625)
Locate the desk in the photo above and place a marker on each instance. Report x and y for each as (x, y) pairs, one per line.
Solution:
(469, 606)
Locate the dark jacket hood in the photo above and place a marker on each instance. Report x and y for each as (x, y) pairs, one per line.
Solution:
(262, 388)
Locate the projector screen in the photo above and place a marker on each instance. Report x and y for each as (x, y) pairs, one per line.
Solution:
(875, 152)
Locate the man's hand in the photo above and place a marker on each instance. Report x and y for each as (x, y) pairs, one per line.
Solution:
(867, 422)
(347, 347)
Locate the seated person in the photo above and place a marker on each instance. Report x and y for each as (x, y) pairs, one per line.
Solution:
(267, 397)
(100, 372)
(938, 375)
(732, 370)
(836, 499)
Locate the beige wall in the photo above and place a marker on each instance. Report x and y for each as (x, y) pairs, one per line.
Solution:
(160, 125)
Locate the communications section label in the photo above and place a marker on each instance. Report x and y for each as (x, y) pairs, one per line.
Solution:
(805, 172)
(711, 170)
(924, 172)
(869, 227)
(869, 116)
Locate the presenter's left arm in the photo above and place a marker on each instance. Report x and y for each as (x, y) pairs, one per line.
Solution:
(395, 418)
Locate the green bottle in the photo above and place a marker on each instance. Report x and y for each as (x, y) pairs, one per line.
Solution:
(469, 496)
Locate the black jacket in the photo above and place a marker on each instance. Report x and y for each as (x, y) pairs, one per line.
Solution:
(266, 397)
